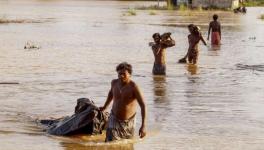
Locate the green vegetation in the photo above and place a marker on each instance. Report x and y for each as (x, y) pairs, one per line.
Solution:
(200, 8)
(254, 3)
(183, 7)
(170, 6)
(152, 7)
(152, 12)
(131, 12)
(262, 16)
(3, 20)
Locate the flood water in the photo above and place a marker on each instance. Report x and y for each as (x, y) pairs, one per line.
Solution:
(215, 105)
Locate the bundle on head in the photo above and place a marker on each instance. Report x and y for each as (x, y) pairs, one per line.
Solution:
(165, 35)
(196, 30)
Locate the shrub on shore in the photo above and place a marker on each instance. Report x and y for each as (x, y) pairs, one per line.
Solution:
(132, 12)
(262, 16)
(152, 7)
(183, 7)
(3, 20)
(152, 12)
(252, 3)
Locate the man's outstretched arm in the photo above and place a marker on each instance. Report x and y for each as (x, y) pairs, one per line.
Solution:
(203, 40)
(209, 30)
(220, 31)
(139, 97)
(108, 100)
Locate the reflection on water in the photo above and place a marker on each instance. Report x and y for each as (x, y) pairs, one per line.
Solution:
(215, 47)
(159, 88)
(84, 146)
(161, 100)
(217, 104)
(192, 69)
(93, 142)
(259, 67)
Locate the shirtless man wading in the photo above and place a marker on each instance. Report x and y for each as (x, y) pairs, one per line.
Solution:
(125, 95)
(161, 42)
(215, 26)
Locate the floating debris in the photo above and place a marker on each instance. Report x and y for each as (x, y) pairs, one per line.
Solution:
(130, 12)
(31, 45)
(250, 67)
(9, 83)
(152, 12)
(252, 38)
(5, 21)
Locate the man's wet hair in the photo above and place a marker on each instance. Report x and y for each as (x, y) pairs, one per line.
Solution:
(190, 25)
(215, 16)
(124, 65)
(156, 34)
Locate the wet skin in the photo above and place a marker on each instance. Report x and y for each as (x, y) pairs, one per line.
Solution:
(125, 95)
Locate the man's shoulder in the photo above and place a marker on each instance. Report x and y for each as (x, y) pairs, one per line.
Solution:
(114, 81)
(135, 86)
(215, 22)
(132, 83)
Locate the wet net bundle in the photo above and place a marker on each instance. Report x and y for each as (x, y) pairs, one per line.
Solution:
(87, 119)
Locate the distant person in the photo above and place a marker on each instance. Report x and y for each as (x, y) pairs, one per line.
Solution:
(161, 42)
(243, 9)
(190, 28)
(237, 10)
(193, 38)
(240, 9)
(125, 95)
(215, 26)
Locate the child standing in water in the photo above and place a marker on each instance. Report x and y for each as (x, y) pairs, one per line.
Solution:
(215, 26)
(193, 38)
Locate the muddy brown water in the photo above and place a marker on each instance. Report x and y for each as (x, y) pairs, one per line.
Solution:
(217, 104)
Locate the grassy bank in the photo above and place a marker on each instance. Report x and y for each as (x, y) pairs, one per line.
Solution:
(5, 20)
(181, 7)
(254, 3)
(262, 16)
